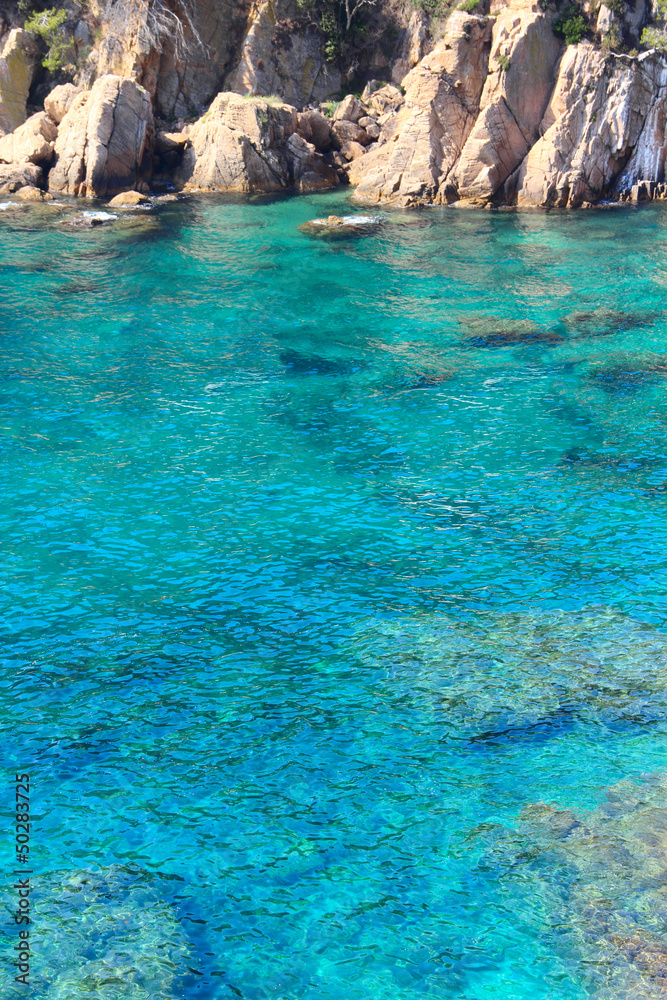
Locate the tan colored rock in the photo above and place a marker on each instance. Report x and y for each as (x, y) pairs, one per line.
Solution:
(420, 143)
(513, 100)
(315, 129)
(60, 100)
(105, 140)
(386, 99)
(346, 131)
(31, 142)
(282, 56)
(352, 151)
(179, 80)
(250, 145)
(18, 56)
(412, 46)
(128, 199)
(15, 176)
(606, 112)
(349, 110)
(33, 194)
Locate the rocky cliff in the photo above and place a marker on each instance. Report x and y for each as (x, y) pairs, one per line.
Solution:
(501, 102)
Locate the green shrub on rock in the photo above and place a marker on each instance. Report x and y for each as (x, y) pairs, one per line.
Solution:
(654, 38)
(48, 25)
(570, 25)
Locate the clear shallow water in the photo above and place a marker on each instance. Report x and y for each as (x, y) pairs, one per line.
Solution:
(322, 561)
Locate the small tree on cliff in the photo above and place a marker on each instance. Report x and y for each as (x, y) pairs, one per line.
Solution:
(352, 7)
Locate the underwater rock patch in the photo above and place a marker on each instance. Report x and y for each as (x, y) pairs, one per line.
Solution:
(593, 323)
(524, 677)
(106, 932)
(488, 332)
(601, 873)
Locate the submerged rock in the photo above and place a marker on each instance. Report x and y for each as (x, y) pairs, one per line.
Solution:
(603, 322)
(599, 874)
(313, 364)
(89, 220)
(106, 932)
(491, 332)
(518, 677)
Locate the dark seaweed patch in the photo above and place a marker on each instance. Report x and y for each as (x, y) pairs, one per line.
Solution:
(314, 364)
(622, 380)
(587, 324)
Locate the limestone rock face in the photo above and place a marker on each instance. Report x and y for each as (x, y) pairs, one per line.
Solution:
(281, 55)
(250, 145)
(420, 143)
(17, 66)
(105, 140)
(604, 129)
(60, 100)
(31, 142)
(513, 100)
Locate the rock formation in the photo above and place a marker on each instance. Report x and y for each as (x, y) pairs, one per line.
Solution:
(17, 65)
(105, 140)
(250, 145)
(31, 142)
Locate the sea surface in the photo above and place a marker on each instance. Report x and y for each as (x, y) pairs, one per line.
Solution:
(334, 578)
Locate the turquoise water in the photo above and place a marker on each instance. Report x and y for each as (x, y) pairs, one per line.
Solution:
(323, 561)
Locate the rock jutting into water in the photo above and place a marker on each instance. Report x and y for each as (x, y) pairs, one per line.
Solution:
(340, 226)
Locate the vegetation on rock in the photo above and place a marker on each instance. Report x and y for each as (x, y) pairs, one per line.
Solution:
(48, 25)
(570, 25)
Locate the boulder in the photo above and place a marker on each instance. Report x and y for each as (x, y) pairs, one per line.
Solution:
(33, 194)
(128, 199)
(522, 61)
(18, 55)
(349, 110)
(250, 145)
(105, 140)
(315, 128)
(346, 131)
(420, 143)
(352, 151)
(387, 98)
(60, 100)
(31, 142)
(15, 176)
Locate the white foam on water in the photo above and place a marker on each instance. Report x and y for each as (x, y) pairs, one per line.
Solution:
(4, 205)
(98, 215)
